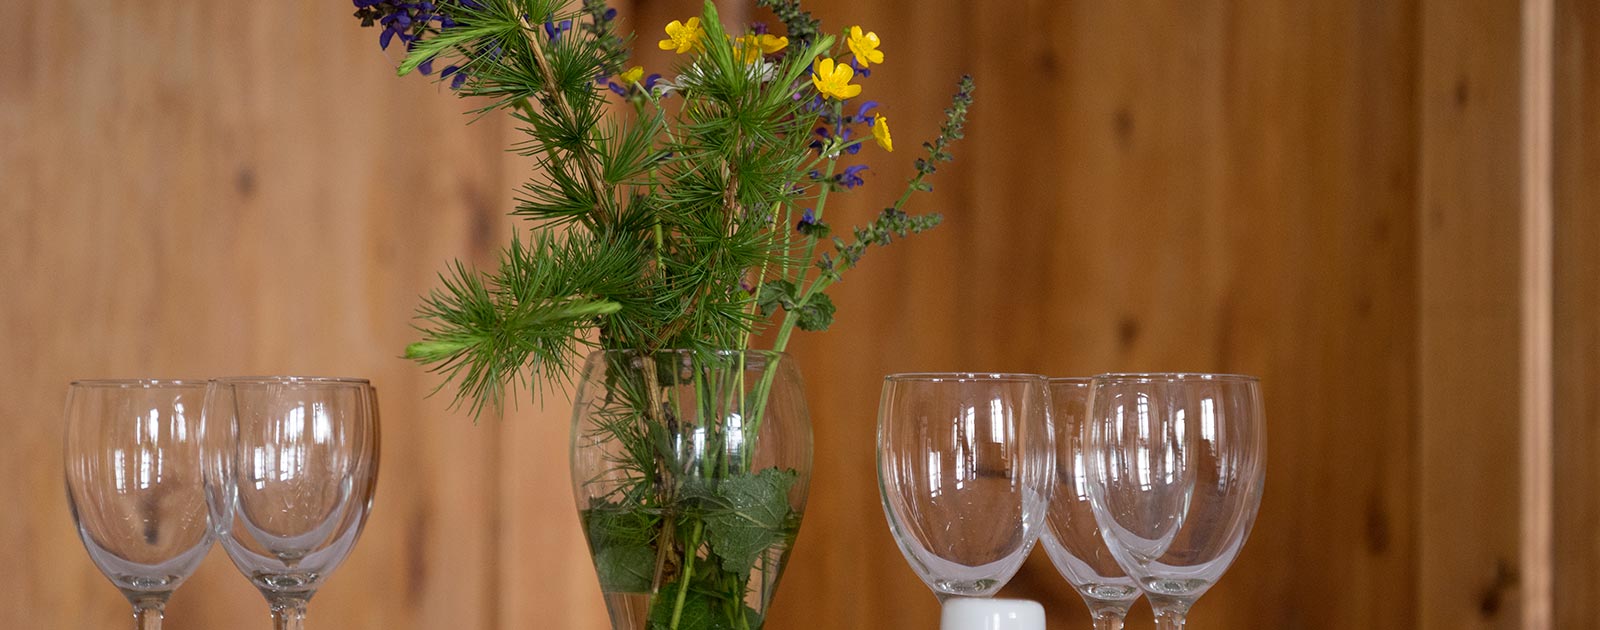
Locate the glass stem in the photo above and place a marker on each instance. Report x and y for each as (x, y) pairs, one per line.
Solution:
(1108, 620)
(147, 614)
(289, 614)
(1169, 620)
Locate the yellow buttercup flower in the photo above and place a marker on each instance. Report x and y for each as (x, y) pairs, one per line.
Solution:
(880, 132)
(749, 48)
(631, 75)
(833, 79)
(682, 38)
(772, 43)
(865, 47)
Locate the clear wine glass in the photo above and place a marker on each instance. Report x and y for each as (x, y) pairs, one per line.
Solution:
(1176, 468)
(1072, 538)
(133, 481)
(964, 465)
(291, 467)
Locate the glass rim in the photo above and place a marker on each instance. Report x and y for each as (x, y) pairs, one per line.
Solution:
(292, 380)
(1072, 380)
(964, 377)
(1150, 377)
(143, 383)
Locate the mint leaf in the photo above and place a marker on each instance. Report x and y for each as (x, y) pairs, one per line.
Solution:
(622, 540)
(817, 314)
(700, 611)
(775, 294)
(751, 516)
(625, 568)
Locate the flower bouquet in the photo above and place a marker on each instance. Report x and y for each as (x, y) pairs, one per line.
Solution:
(675, 219)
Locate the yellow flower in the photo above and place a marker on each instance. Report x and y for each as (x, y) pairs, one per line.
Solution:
(880, 132)
(772, 43)
(749, 48)
(631, 75)
(865, 47)
(833, 79)
(682, 38)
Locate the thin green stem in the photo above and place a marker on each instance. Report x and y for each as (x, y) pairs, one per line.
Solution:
(586, 162)
(688, 572)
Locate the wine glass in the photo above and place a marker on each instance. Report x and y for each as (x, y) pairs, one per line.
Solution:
(964, 465)
(291, 466)
(134, 484)
(1176, 468)
(1071, 538)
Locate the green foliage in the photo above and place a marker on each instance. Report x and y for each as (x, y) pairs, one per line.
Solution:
(816, 314)
(669, 226)
(700, 610)
(663, 219)
(745, 515)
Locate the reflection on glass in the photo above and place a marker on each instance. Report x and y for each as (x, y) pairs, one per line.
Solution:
(133, 478)
(1175, 502)
(1072, 539)
(963, 467)
(291, 465)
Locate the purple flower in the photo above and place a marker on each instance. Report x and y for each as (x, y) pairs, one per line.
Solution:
(807, 220)
(861, 70)
(844, 136)
(649, 83)
(864, 114)
(554, 30)
(851, 177)
(456, 76)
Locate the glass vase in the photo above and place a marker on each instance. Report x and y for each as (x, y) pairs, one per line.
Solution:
(690, 471)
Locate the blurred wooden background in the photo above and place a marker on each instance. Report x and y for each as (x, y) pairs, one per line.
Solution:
(1388, 209)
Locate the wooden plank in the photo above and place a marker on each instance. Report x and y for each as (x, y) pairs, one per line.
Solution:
(200, 189)
(1538, 260)
(1325, 194)
(1577, 314)
(1470, 351)
(1161, 186)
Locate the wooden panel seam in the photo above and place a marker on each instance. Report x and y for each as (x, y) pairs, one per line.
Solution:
(1538, 391)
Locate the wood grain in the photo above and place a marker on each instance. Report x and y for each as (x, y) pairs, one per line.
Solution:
(198, 188)
(1326, 194)
(1470, 220)
(1577, 315)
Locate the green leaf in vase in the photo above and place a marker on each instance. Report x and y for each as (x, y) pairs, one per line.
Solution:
(624, 556)
(701, 611)
(625, 568)
(752, 516)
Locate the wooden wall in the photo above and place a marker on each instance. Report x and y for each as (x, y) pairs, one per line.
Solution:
(1328, 194)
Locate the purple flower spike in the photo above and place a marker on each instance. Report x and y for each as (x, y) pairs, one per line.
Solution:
(807, 220)
(861, 70)
(851, 177)
(864, 113)
(554, 30)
